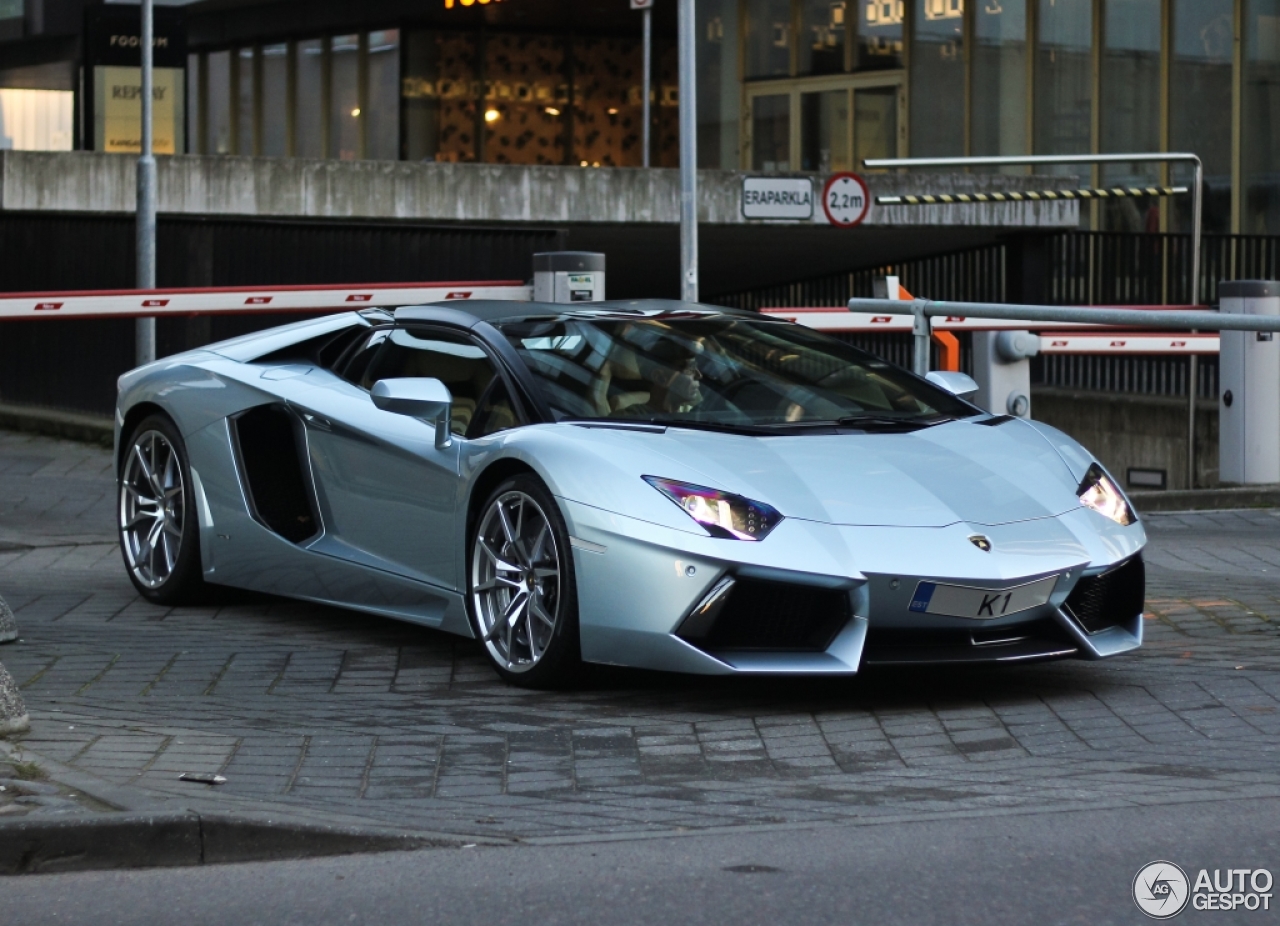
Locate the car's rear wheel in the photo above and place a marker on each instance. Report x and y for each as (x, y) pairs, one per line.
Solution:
(521, 587)
(159, 534)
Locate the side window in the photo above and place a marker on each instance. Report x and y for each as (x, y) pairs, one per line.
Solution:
(497, 412)
(453, 359)
(358, 365)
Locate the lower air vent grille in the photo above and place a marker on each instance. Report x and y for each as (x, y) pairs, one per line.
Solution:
(1099, 602)
(776, 616)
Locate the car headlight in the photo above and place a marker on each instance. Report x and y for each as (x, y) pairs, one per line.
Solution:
(723, 515)
(1098, 492)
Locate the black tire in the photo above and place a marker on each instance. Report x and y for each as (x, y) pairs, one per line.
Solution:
(168, 572)
(545, 657)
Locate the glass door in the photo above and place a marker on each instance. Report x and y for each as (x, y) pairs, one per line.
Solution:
(771, 132)
(824, 131)
(823, 125)
(875, 123)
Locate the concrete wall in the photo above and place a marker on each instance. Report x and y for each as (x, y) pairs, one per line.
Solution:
(1133, 430)
(91, 182)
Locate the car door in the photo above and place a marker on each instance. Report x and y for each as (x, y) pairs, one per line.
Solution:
(389, 497)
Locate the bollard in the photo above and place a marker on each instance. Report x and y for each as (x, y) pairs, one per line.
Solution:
(8, 624)
(1249, 404)
(1002, 369)
(13, 712)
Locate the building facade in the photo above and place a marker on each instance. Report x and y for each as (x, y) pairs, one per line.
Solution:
(783, 85)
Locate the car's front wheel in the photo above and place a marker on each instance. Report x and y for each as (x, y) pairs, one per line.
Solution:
(521, 587)
(159, 536)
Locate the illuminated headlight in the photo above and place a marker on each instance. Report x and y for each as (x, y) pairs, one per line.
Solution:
(1098, 492)
(723, 515)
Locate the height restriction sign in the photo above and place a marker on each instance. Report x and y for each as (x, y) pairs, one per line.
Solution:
(846, 200)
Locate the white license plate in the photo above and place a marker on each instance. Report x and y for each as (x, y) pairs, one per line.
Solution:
(981, 603)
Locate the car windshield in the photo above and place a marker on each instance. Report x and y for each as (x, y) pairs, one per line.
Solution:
(718, 370)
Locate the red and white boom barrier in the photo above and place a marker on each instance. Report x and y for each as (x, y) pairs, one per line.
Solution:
(238, 300)
(1066, 337)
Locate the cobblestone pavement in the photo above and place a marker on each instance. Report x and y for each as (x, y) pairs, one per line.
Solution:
(314, 710)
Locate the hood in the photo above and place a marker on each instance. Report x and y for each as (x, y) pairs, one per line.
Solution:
(959, 472)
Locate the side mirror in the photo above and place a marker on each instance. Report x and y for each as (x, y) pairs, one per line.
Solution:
(417, 397)
(960, 384)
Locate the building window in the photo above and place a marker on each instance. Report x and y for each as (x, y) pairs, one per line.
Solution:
(1260, 119)
(875, 123)
(439, 110)
(824, 131)
(771, 132)
(529, 111)
(273, 124)
(1063, 79)
(36, 120)
(719, 90)
(937, 78)
(196, 80)
(382, 102)
(1200, 106)
(608, 97)
(998, 119)
(218, 111)
(820, 49)
(246, 101)
(768, 40)
(310, 106)
(1130, 108)
(344, 98)
(878, 44)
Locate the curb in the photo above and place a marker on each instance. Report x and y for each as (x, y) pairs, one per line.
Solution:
(1223, 499)
(173, 840)
(52, 422)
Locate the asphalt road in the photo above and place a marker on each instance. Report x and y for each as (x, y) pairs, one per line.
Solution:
(1050, 868)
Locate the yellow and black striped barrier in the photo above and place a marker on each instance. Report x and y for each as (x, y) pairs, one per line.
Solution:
(943, 199)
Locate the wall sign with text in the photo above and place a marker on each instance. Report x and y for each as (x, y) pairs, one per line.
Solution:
(777, 198)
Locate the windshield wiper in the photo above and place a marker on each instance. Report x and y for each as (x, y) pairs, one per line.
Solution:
(694, 424)
(871, 418)
(868, 421)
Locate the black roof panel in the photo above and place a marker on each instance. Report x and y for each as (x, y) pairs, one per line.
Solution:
(491, 310)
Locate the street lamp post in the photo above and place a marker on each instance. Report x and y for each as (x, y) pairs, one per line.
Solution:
(145, 337)
(688, 154)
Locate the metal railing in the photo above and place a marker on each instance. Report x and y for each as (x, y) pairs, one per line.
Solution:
(1153, 157)
(922, 310)
(1159, 319)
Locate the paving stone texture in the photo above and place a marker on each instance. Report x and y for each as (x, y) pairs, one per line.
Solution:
(316, 710)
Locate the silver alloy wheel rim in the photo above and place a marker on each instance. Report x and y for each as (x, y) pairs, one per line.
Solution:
(515, 581)
(152, 508)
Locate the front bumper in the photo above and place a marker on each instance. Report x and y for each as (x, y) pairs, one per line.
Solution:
(654, 597)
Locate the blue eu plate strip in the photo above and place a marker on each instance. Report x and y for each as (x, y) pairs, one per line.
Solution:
(923, 595)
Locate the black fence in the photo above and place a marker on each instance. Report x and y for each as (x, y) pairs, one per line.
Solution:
(73, 364)
(1065, 268)
(1068, 268)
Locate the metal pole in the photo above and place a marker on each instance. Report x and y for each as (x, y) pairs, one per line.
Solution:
(688, 155)
(646, 116)
(1193, 362)
(145, 336)
(920, 330)
(1143, 157)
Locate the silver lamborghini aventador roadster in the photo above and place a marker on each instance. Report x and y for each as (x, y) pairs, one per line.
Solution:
(654, 484)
